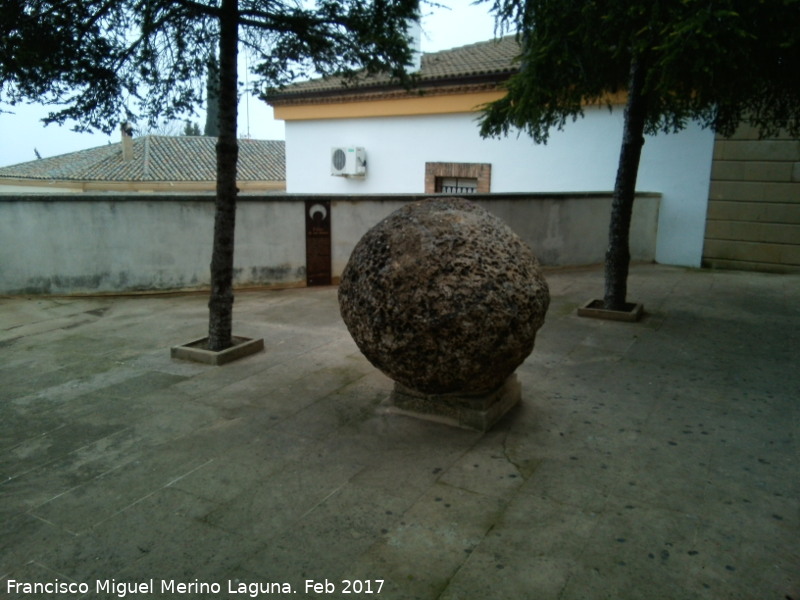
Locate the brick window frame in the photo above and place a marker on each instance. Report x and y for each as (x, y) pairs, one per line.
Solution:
(480, 171)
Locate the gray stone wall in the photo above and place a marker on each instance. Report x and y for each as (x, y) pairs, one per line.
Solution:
(111, 243)
(120, 243)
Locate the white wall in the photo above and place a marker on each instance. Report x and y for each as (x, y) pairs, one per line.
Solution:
(113, 244)
(583, 157)
(67, 244)
(560, 229)
(679, 166)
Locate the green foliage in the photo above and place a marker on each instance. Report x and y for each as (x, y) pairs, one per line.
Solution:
(717, 61)
(191, 129)
(99, 60)
(50, 49)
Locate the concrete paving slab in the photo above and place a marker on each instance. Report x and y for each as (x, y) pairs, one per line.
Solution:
(350, 520)
(649, 460)
(436, 535)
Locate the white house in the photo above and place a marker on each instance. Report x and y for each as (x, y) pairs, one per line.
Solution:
(426, 140)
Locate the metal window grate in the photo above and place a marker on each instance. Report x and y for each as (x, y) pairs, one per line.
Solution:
(456, 185)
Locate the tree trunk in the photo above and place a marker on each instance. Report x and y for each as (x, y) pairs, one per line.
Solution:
(618, 255)
(220, 304)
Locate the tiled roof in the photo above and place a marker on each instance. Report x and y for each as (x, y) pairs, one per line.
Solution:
(493, 57)
(156, 159)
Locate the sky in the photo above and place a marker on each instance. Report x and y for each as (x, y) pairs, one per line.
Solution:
(22, 134)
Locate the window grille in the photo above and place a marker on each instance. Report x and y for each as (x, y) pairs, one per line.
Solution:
(458, 178)
(456, 185)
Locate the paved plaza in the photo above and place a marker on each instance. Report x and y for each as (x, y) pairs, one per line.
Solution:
(656, 460)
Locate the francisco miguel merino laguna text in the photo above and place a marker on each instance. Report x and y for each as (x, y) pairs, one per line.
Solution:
(121, 589)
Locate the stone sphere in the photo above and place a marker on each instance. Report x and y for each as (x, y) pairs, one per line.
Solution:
(443, 297)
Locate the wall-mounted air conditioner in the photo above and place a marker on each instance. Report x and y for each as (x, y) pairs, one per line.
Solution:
(348, 161)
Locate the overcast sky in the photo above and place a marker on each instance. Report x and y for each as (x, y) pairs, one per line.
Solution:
(23, 131)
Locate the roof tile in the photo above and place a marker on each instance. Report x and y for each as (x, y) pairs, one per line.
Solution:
(157, 158)
(497, 56)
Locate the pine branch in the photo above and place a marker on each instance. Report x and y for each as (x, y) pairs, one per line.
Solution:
(199, 8)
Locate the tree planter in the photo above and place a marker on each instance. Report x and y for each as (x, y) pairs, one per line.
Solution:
(198, 351)
(594, 309)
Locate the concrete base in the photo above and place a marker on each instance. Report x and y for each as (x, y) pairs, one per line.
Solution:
(469, 411)
(197, 351)
(595, 310)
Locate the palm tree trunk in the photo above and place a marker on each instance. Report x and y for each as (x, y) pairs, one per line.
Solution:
(618, 256)
(220, 304)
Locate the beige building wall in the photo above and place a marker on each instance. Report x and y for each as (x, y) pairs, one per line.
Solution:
(754, 204)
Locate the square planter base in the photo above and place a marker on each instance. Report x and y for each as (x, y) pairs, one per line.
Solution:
(198, 351)
(594, 309)
(468, 411)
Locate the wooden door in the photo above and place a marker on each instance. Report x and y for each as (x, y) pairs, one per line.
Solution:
(318, 242)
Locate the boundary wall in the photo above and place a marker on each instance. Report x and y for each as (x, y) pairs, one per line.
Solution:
(126, 243)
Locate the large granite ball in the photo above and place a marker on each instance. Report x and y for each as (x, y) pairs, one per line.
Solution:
(443, 297)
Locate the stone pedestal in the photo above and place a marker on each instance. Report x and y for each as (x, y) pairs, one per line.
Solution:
(469, 411)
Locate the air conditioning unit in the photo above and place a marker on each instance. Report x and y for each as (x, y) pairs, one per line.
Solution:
(348, 161)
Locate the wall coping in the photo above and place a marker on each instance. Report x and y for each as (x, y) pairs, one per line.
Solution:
(288, 197)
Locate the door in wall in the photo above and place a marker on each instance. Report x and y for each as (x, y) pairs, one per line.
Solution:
(318, 242)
